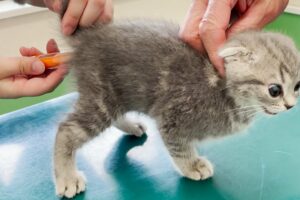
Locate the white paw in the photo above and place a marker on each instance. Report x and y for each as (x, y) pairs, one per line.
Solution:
(199, 169)
(70, 185)
(137, 130)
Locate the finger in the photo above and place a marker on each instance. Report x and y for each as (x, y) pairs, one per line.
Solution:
(24, 51)
(252, 19)
(242, 6)
(39, 86)
(249, 2)
(189, 31)
(212, 29)
(20, 66)
(92, 12)
(19, 87)
(54, 5)
(212, 46)
(72, 16)
(107, 14)
(52, 46)
(258, 15)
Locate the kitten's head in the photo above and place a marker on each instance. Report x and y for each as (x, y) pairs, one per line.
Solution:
(262, 70)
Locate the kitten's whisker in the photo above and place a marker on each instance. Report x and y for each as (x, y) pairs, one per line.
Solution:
(257, 112)
(248, 112)
(227, 87)
(246, 107)
(246, 98)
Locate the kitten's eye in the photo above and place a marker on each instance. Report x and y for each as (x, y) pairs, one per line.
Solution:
(297, 87)
(275, 90)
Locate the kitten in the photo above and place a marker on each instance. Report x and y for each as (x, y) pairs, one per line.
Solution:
(143, 66)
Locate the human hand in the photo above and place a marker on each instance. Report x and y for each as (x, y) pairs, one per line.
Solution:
(207, 27)
(26, 76)
(83, 13)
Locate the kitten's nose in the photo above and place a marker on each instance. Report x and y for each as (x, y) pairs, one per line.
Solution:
(288, 106)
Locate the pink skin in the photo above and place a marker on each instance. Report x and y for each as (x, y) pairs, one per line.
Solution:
(206, 27)
(26, 76)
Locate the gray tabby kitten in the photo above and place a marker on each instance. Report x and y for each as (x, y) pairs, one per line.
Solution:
(143, 66)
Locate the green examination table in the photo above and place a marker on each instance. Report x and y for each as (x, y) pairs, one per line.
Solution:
(260, 164)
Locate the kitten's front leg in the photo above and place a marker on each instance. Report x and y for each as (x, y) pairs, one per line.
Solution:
(186, 159)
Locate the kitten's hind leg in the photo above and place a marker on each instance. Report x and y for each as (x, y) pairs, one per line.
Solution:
(132, 128)
(185, 157)
(84, 124)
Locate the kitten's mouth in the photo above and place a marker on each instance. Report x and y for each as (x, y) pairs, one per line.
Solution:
(268, 112)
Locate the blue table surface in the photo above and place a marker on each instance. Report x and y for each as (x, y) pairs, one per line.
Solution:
(261, 163)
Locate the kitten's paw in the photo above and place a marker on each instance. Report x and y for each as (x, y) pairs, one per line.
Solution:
(70, 185)
(200, 169)
(137, 129)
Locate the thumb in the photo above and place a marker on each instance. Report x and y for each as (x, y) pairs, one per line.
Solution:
(20, 66)
(189, 31)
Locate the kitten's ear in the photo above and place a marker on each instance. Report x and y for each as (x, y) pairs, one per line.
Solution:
(232, 51)
(237, 53)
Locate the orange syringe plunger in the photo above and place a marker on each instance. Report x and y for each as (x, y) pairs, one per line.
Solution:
(53, 60)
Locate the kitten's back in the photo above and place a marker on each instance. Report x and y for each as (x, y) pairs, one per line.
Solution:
(130, 41)
(139, 59)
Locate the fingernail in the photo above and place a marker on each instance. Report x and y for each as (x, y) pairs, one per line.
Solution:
(38, 67)
(52, 41)
(67, 30)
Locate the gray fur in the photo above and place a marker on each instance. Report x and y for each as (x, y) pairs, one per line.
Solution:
(143, 66)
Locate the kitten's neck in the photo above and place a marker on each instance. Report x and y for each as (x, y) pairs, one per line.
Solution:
(242, 114)
(239, 112)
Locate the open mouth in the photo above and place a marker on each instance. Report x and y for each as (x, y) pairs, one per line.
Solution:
(268, 112)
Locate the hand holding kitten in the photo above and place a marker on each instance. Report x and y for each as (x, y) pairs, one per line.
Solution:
(78, 13)
(207, 23)
(82, 13)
